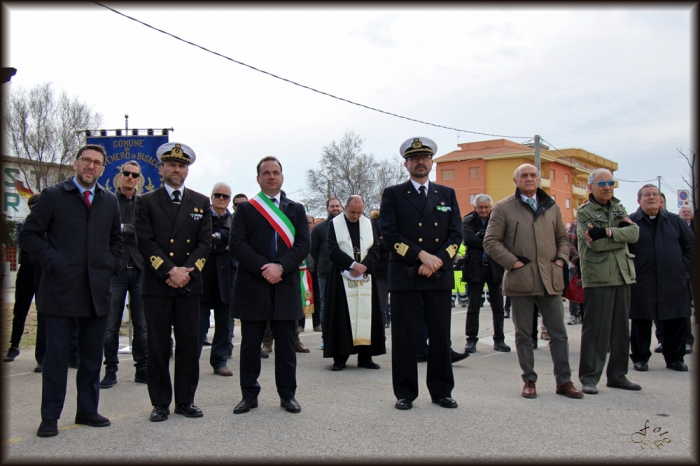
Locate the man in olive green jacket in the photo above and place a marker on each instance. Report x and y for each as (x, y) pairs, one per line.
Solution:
(526, 235)
(607, 270)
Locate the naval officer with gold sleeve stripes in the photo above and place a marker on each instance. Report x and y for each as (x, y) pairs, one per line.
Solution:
(421, 226)
(173, 226)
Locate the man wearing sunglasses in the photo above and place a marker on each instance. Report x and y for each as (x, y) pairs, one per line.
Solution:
(604, 231)
(128, 279)
(217, 282)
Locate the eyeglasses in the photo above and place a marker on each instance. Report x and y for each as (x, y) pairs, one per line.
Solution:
(420, 158)
(86, 161)
(132, 174)
(602, 183)
(225, 197)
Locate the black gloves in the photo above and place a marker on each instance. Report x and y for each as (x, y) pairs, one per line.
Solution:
(597, 233)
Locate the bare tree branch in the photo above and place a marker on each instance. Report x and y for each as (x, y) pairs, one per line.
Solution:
(43, 131)
(347, 170)
(692, 180)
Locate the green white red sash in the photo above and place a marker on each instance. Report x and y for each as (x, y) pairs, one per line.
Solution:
(307, 290)
(276, 217)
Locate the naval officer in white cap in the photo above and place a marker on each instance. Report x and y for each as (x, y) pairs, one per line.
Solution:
(421, 225)
(173, 225)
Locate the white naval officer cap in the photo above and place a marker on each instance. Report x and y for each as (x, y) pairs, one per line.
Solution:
(419, 145)
(176, 151)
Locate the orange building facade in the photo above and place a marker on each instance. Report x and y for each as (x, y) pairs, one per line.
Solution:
(487, 167)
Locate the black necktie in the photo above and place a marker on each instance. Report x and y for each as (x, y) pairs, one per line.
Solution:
(176, 199)
(423, 192)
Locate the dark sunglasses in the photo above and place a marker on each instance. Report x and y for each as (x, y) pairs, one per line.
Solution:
(222, 196)
(132, 174)
(602, 183)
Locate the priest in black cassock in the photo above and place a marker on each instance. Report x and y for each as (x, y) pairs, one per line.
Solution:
(352, 313)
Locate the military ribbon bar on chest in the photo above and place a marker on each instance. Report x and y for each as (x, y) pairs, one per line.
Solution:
(278, 220)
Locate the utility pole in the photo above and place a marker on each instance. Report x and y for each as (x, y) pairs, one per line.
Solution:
(658, 179)
(537, 154)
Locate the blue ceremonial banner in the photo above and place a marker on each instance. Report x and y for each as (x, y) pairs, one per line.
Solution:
(121, 149)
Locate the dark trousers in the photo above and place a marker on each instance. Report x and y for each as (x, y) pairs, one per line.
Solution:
(269, 338)
(406, 307)
(364, 356)
(422, 341)
(496, 300)
(129, 280)
(382, 287)
(232, 323)
(54, 377)
(316, 316)
(674, 340)
(182, 314)
(605, 327)
(222, 330)
(689, 338)
(40, 349)
(24, 293)
(285, 357)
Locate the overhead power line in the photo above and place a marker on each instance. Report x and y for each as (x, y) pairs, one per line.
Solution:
(302, 85)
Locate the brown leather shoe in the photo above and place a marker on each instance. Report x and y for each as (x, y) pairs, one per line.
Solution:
(529, 390)
(267, 348)
(544, 335)
(299, 348)
(569, 390)
(223, 370)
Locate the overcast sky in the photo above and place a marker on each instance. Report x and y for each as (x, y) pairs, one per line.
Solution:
(614, 81)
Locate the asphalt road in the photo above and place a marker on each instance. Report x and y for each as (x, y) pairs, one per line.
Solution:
(350, 415)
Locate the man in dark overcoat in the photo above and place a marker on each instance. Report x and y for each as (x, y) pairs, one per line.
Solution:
(270, 239)
(218, 282)
(663, 257)
(479, 270)
(173, 225)
(81, 253)
(420, 224)
(353, 249)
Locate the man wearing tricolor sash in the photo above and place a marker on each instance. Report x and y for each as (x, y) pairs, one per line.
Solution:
(270, 239)
(353, 313)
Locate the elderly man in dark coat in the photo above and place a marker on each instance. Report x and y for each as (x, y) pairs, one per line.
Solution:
(479, 270)
(79, 257)
(354, 322)
(662, 258)
(270, 238)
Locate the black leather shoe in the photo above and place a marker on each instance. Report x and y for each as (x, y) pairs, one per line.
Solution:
(506, 313)
(446, 402)
(290, 404)
(245, 405)
(73, 364)
(207, 342)
(369, 365)
(456, 357)
(403, 404)
(159, 413)
(641, 366)
(677, 366)
(338, 367)
(422, 359)
(39, 368)
(48, 428)
(188, 410)
(688, 348)
(625, 385)
(92, 420)
(109, 380)
(659, 348)
(12, 353)
(264, 354)
(470, 347)
(501, 346)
